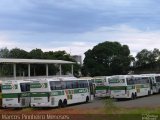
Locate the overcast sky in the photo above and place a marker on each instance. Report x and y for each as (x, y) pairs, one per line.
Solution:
(78, 25)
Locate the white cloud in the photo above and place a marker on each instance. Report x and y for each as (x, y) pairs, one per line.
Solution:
(74, 48)
(136, 39)
(6, 42)
(79, 43)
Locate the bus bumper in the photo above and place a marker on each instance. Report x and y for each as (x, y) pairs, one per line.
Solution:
(120, 96)
(41, 105)
(12, 105)
(102, 95)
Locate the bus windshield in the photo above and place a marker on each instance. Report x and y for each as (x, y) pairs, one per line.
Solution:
(25, 87)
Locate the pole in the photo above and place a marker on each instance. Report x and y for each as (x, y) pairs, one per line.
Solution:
(14, 71)
(72, 69)
(60, 70)
(29, 70)
(47, 70)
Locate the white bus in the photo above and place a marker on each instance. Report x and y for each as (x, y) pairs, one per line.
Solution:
(155, 81)
(101, 86)
(60, 92)
(130, 86)
(15, 93)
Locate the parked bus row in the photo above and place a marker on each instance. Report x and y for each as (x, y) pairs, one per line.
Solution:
(51, 92)
(127, 86)
(63, 91)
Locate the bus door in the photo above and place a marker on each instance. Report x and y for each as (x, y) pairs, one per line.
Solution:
(151, 83)
(92, 90)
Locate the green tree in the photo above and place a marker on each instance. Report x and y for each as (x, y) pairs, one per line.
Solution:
(4, 53)
(18, 53)
(107, 58)
(36, 54)
(146, 59)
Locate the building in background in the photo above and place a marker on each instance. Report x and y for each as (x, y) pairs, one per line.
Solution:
(78, 59)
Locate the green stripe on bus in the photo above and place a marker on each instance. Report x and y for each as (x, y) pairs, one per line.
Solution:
(8, 87)
(10, 95)
(57, 93)
(40, 94)
(15, 95)
(142, 86)
(38, 85)
(102, 87)
(80, 90)
(98, 80)
(27, 94)
(118, 87)
(130, 87)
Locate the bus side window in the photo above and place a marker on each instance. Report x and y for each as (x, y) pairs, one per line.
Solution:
(75, 84)
(79, 84)
(58, 85)
(52, 85)
(63, 85)
(69, 85)
(86, 84)
(27, 87)
(23, 87)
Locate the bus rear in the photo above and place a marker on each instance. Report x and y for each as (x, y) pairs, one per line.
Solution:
(40, 93)
(15, 93)
(101, 87)
(118, 86)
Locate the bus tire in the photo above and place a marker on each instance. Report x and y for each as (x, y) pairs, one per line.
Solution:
(159, 91)
(60, 104)
(132, 96)
(87, 99)
(64, 103)
(149, 93)
(135, 95)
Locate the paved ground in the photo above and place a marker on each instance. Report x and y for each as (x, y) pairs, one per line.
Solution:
(149, 101)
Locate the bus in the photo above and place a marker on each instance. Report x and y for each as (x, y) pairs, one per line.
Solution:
(130, 86)
(60, 92)
(15, 93)
(0, 94)
(101, 86)
(155, 81)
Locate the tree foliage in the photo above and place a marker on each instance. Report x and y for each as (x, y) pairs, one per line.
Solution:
(107, 58)
(147, 59)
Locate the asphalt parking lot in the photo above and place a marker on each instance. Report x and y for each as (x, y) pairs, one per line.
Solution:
(148, 101)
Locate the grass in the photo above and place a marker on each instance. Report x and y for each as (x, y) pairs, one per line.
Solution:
(111, 108)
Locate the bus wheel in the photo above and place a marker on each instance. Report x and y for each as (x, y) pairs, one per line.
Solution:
(64, 102)
(87, 99)
(149, 93)
(135, 95)
(132, 96)
(60, 104)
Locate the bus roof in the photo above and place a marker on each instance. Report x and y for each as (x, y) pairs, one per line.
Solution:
(62, 79)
